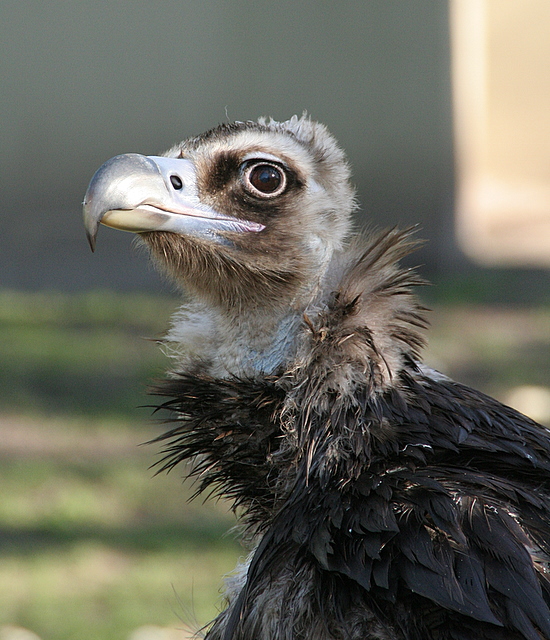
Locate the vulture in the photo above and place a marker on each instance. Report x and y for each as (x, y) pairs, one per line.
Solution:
(381, 500)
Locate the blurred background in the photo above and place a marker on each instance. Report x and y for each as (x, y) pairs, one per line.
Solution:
(444, 111)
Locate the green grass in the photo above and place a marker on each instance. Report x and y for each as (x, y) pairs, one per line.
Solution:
(88, 354)
(93, 545)
(491, 348)
(92, 591)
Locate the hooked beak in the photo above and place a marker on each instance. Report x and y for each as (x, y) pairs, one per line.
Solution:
(139, 193)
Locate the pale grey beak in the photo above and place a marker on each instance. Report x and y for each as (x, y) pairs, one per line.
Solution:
(151, 193)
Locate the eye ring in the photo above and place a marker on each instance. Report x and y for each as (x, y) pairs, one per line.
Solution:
(264, 179)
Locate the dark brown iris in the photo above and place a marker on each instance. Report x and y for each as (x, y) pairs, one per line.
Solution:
(264, 179)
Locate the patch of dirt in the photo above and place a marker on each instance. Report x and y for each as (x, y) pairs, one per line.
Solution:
(24, 437)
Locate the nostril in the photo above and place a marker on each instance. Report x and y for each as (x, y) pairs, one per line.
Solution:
(176, 182)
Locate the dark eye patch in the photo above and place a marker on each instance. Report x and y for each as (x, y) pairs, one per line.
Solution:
(224, 171)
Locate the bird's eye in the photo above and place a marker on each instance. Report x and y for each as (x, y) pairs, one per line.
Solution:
(264, 180)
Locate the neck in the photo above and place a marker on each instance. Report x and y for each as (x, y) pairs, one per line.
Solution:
(370, 319)
(246, 340)
(226, 345)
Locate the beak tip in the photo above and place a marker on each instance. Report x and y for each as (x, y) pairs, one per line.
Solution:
(91, 223)
(91, 241)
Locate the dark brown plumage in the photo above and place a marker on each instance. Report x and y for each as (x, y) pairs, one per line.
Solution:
(382, 499)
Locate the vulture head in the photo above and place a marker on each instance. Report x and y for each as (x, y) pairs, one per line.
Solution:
(246, 219)
(382, 499)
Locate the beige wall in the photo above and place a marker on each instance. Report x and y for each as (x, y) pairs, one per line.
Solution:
(501, 83)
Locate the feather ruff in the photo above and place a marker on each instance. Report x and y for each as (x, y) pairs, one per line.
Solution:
(384, 500)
